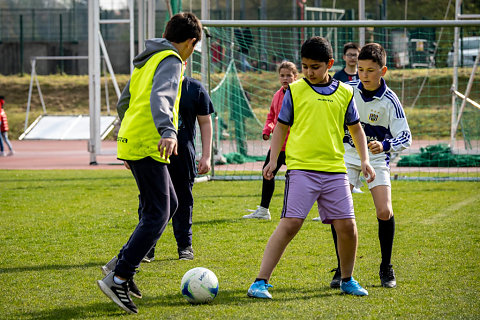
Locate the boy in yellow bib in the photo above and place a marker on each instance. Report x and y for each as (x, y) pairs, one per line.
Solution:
(148, 109)
(316, 109)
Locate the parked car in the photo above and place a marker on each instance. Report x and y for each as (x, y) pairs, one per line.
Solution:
(469, 49)
(421, 53)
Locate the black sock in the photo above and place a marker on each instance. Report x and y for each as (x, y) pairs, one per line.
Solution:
(334, 235)
(259, 279)
(346, 279)
(268, 187)
(386, 233)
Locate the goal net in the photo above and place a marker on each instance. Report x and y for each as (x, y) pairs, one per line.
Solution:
(243, 79)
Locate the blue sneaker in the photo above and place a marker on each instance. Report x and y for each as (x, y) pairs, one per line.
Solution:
(259, 289)
(352, 287)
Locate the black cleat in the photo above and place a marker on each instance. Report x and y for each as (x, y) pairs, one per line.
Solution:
(337, 278)
(133, 289)
(387, 277)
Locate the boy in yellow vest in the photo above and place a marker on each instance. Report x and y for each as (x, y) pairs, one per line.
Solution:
(315, 109)
(148, 108)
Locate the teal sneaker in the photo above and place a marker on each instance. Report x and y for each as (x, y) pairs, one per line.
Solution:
(352, 287)
(259, 289)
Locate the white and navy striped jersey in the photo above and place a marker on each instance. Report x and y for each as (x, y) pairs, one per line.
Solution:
(383, 119)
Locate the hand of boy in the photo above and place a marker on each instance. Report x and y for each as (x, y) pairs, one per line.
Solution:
(167, 147)
(368, 171)
(266, 136)
(204, 165)
(268, 170)
(375, 147)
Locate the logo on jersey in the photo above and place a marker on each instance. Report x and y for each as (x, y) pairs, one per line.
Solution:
(325, 99)
(373, 117)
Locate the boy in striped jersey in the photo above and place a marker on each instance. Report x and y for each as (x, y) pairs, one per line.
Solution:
(387, 131)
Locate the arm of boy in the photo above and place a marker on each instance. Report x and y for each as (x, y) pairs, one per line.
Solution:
(278, 138)
(270, 122)
(165, 86)
(360, 141)
(205, 124)
(122, 106)
(124, 101)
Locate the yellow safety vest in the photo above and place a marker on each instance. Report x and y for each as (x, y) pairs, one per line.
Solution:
(316, 136)
(138, 137)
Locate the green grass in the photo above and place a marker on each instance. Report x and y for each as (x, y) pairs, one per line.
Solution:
(58, 227)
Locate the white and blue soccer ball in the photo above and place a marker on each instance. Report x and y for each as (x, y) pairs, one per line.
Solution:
(199, 285)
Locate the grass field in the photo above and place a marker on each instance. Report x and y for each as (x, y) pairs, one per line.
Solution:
(59, 227)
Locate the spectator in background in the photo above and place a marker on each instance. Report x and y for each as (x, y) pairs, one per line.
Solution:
(218, 53)
(4, 130)
(350, 56)
(245, 41)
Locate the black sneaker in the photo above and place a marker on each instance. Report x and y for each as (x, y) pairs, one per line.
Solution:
(337, 278)
(185, 253)
(133, 289)
(387, 277)
(118, 293)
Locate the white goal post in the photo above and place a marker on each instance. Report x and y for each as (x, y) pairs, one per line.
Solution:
(220, 30)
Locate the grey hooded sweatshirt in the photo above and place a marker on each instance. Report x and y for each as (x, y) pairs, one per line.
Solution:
(166, 82)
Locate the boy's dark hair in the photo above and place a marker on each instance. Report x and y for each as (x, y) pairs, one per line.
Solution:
(183, 26)
(2, 97)
(317, 48)
(374, 52)
(350, 45)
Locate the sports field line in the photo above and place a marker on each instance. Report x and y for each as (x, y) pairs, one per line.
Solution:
(448, 210)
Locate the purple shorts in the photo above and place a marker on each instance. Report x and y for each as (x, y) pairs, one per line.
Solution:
(330, 190)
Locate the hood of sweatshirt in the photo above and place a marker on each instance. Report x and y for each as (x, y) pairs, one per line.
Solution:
(152, 46)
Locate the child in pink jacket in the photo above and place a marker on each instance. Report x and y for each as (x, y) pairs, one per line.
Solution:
(287, 73)
(4, 130)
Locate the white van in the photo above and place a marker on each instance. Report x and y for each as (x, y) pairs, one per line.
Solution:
(470, 46)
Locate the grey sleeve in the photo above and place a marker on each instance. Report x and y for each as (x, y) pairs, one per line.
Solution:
(166, 82)
(124, 101)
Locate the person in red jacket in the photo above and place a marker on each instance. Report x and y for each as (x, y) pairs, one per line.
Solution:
(287, 73)
(4, 130)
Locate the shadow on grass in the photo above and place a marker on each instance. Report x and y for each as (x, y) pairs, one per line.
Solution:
(51, 267)
(239, 296)
(225, 297)
(104, 309)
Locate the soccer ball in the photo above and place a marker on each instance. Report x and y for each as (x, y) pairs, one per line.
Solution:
(199, 285)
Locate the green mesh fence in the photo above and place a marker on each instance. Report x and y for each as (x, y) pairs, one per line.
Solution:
(234, 111)
(243, 80)
(470, 126)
